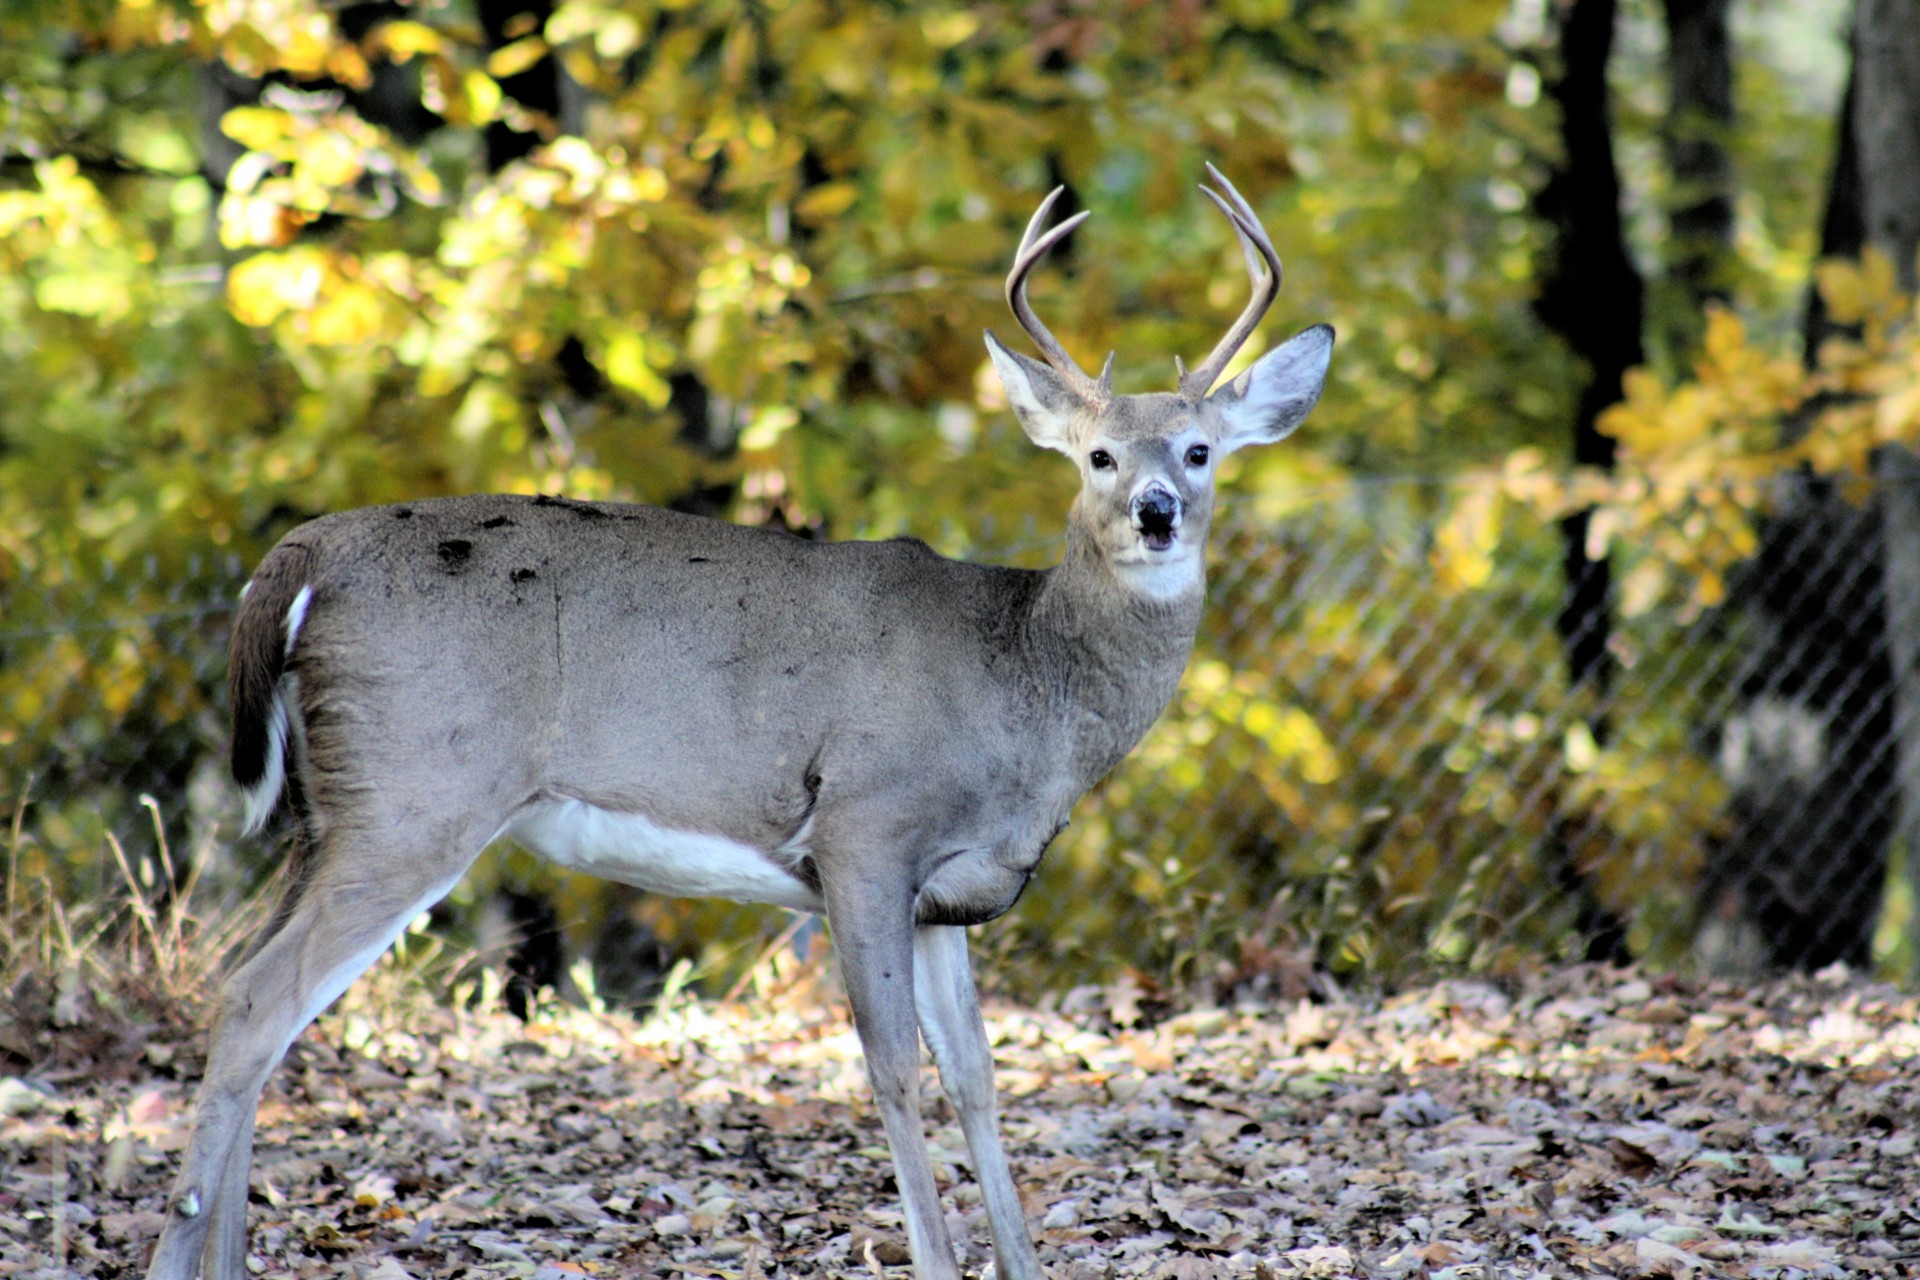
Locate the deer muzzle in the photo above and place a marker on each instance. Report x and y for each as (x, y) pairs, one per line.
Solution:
(1156, 515)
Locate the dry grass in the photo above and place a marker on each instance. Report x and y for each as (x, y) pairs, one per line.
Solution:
(80, 978)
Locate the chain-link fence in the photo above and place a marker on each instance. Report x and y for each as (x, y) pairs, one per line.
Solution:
(1377, 762)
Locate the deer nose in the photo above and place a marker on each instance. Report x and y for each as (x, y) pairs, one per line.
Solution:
(1156, 514)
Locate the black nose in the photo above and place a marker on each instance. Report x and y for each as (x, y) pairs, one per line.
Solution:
(1154, 515)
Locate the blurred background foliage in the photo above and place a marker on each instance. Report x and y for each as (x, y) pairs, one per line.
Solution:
(263, 259)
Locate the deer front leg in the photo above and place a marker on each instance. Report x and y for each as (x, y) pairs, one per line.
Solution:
(950, 1020)
(873, 936)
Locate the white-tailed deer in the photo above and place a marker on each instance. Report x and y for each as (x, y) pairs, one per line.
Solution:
(862, 728)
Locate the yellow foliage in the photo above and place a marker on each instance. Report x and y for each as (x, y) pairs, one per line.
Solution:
(306, 158)
(1464, 545)
(264, 287)
(627, 365)
(516, 57)
(1865, 293)
(826, 202)
(1695, 455)
(258, 128)
(350, 313)
(324, 296)
(331, 160)
(405, 40)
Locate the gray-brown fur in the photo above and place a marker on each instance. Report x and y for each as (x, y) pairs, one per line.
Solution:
(768, 669)
(865, 728)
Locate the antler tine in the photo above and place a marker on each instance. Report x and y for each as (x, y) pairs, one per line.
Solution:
(1259, 253)
(1248, 218)
(1033, 247)
(1240, 204)
(1038, 220)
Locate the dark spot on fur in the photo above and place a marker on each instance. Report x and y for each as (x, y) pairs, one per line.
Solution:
(497, 522)
(697, 560)
(523, 575)
(403, 513)
(585, 510)
(454, 552)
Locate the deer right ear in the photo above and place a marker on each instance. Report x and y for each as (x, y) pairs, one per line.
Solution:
(1267, 401)
(1046, 406)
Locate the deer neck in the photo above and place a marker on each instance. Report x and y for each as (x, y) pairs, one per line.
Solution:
(1116, 653)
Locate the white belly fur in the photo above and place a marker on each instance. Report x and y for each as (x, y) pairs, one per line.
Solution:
(635, 850)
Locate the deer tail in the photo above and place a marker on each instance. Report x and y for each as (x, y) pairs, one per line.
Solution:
(272, 608)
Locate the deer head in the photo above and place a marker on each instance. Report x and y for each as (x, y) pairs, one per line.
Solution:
(1147, 462)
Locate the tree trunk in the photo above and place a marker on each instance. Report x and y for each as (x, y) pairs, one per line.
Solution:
(1807, 751)
(1699, 120)
(1898, 471)
(1885, 122)
(1814, 754)
(1886, 128)
(1591, 294)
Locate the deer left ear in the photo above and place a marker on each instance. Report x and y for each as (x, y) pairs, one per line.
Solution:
(1268, 401)
(1046, 406)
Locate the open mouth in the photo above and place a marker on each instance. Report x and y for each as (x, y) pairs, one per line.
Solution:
(1157, 537)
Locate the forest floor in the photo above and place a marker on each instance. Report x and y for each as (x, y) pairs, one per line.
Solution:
(1585, 1122)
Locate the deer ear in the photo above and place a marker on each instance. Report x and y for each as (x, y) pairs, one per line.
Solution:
(1267, 402)
(1046, 406)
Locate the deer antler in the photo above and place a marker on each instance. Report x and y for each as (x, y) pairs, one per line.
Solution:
(1266, 286)
(1033, 247)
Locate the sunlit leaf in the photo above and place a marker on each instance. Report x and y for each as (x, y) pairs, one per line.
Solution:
(626, 365)
(99, 293)
(260, 129)
(826, 202)
(330, 159)
(515, 58)
(405, 39)
(266, 285)
(1464, 545)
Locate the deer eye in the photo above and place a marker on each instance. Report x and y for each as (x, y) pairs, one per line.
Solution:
(1101, 460)
(1197, 456)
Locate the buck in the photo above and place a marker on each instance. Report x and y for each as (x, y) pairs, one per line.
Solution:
(864, 729)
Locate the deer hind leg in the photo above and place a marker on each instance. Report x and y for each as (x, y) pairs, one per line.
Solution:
(950, 1020)
(350, 911)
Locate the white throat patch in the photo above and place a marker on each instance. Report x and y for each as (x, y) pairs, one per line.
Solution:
(1163, 577)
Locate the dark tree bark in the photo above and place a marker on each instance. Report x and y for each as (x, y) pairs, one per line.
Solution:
(1842, 233)
(1813, 751)
(1807, 752)
(1885, 122)
(1593, 297)
(1591, 294)
(1886, 128)
(1699, 121)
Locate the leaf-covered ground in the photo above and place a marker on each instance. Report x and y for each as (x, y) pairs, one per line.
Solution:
(1585, 1123)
